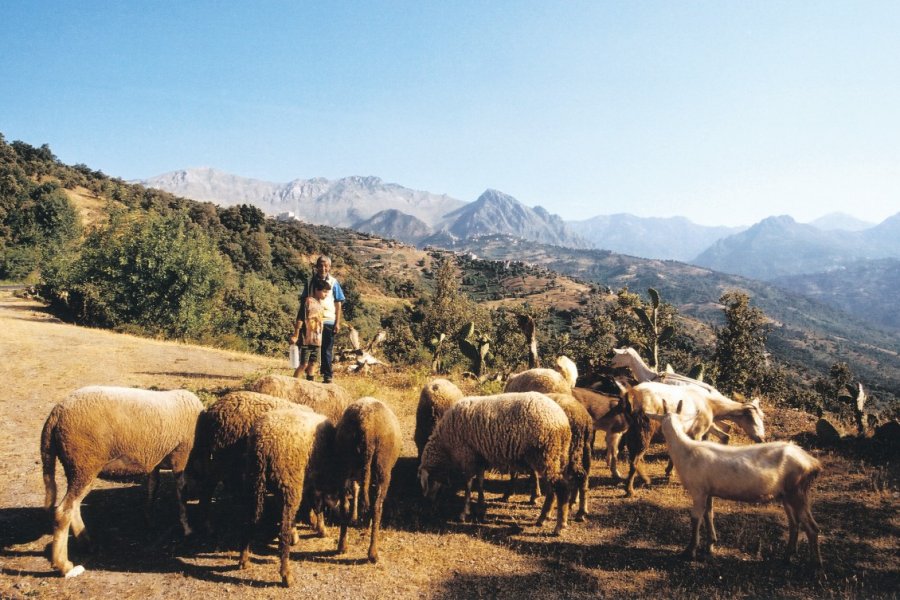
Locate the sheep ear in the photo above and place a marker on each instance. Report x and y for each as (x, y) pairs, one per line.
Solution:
(678, 408)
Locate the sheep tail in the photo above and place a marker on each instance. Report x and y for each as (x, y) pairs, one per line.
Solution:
(49, 453)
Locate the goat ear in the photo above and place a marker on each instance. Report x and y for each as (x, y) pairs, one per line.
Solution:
(679, 407)
(665, 407)
(755, 402)
(739, 397)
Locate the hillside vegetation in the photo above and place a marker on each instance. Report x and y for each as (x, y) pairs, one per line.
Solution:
(106, 253)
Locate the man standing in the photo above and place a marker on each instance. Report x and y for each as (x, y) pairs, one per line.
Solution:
(331, 307)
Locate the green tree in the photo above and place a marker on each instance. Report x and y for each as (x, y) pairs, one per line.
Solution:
(153, 272)
(741, 345)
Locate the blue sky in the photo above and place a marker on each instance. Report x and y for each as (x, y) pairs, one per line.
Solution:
(723, 112)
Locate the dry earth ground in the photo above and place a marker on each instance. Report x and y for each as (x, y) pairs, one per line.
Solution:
(626, 548)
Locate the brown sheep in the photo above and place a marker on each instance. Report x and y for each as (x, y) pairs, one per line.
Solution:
(368, 442)
(437, 396)
(288, 451)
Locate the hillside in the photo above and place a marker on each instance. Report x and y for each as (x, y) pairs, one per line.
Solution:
(859, 288)
(808, 335)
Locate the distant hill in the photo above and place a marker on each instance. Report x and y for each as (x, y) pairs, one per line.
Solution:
(396, 225)
(674, 238)
(839, 221)
(497, 213)
(860, 288)
(809, 334)
(779, 246)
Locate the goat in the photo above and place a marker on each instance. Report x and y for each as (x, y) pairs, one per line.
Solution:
(747, 415)
(758, 473)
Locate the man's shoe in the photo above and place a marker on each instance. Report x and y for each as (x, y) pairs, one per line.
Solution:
(326, 380)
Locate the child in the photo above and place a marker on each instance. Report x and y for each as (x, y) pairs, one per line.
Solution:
(312, 326)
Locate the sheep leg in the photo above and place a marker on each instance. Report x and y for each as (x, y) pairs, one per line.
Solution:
(256, 505)
(482, 505)
(78, 487)
(545, 510)
(346, 499)
(355, 513)
(535, 488)
(79, 530)
(384, 482)
(366, 486)
(152, 489)
(581, 493)
(711, 538)
(510, 486)
(561, 490)
(290, 504)
(468, 500)
(180, 485)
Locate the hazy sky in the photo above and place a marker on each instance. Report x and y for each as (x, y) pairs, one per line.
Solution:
(723, 112)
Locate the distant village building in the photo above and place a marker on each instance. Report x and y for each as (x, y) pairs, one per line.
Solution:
(287, 216)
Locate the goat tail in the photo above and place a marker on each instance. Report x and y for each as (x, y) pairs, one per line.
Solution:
(809, 478)
(49, 452)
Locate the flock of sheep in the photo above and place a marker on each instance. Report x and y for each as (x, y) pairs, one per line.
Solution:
(309, 444)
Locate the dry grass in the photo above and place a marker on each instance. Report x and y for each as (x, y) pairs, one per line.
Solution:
(626, 548)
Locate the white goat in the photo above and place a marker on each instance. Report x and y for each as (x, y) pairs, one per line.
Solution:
(747, 415)
(758, 473)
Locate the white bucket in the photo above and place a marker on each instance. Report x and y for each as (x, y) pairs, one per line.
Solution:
(294, 354)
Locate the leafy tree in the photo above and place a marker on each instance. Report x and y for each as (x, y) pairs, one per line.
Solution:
(741, 345)
(258, 313)
(150, 271)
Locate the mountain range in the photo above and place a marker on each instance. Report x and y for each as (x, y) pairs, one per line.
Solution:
(820, 257)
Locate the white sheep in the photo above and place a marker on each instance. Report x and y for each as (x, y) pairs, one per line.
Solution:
(437, 395)
(757, 473)
(288, 451)
(328, 399)
(545, 381)
(509, 432)
(113, 430)
(368, 442)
